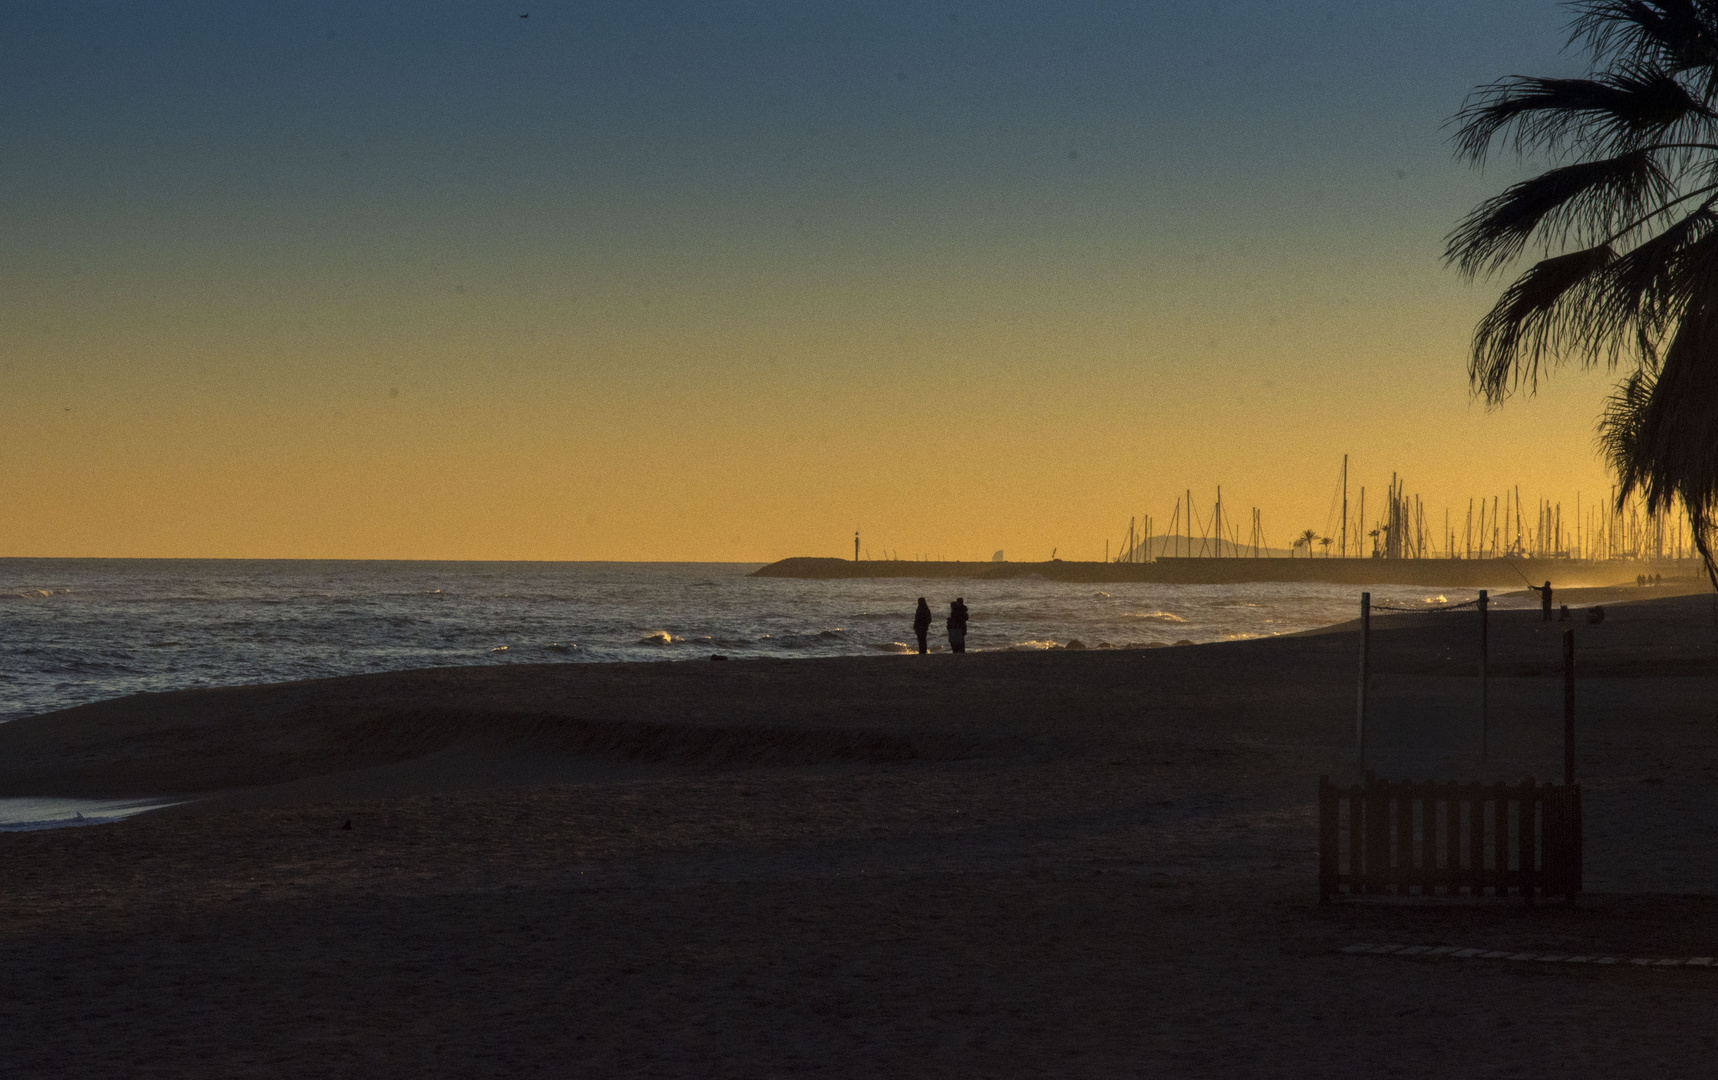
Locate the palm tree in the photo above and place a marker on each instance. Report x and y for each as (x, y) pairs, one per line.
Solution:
(1307, 538)
(1325, 542)
(1627, 224)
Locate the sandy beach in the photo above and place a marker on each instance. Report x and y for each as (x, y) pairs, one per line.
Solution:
(1095, 863)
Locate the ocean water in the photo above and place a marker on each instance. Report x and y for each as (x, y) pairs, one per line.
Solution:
(81, 630)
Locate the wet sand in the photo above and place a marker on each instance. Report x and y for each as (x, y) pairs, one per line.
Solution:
(1067, 864)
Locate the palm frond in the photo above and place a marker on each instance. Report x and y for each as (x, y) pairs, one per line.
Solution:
(1661, 431)
(1590, 198)
(1639, 200)
(1640, 419)
(1620, 423)
(1534, 319)
(1617, 110)
(1677, 35)
(1648, 287)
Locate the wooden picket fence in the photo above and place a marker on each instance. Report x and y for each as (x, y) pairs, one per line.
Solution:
(1449, 839)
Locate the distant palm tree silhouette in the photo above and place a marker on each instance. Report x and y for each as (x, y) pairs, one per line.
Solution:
(1307, 539)
(1627, 220)
(1325, 542)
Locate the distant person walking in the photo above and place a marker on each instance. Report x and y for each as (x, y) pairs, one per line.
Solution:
(957, 625)
(922, 624)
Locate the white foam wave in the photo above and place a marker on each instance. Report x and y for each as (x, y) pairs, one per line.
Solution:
(28, 814)
(660, 637)
(1154, 616)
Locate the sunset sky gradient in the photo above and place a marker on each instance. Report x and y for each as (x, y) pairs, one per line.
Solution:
(728, 280)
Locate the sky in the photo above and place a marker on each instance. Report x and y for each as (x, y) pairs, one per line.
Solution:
(732, 280)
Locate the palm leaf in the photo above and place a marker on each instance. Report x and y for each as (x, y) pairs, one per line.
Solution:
(1648, 287)
(1620, 110)
(1661, 431)
(1676, 34)
(1531, 320)
(1635, 190)
(1591, 198)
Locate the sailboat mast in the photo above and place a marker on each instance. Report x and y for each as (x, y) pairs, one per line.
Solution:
(1345, 506)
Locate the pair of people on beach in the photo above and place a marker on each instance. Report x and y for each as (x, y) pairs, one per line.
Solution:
(956, 625)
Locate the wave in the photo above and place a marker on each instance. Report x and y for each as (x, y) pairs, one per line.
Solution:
(28, 814)
(150, 626)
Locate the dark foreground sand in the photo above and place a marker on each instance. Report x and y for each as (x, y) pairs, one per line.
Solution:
(1071, 864)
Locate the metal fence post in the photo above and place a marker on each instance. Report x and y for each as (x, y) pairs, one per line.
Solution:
(1569, 707)
(1484, 720)
(1360, 700)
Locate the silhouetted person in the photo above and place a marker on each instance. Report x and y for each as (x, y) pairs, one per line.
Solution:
(922, 624)
(957, 625)
(1544, 592)
(1563, 613)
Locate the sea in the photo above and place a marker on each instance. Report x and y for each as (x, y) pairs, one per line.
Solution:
(80, 630)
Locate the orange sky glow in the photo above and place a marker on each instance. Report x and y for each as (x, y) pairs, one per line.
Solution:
(437, 338)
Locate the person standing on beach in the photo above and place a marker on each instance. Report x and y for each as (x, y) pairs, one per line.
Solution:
(1544, 592)
(922, 624)
(957, 625)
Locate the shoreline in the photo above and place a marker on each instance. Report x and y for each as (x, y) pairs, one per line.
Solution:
(288, 732)
(1090, 863)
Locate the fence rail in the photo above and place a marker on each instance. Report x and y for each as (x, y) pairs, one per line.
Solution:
(1431, 839)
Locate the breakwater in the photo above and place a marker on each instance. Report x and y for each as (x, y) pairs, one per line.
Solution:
(1451, 573)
